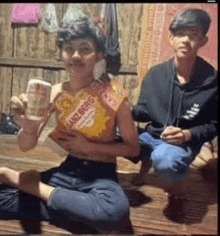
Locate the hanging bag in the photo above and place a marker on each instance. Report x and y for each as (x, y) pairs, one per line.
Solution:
(49, 19)
(74, 11)
(26, 13)
(110, 22)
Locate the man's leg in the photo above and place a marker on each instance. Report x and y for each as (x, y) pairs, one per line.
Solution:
(139, 179)
(172, 162)
(147, 145)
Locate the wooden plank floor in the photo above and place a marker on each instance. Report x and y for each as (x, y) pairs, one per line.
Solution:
(149, 213)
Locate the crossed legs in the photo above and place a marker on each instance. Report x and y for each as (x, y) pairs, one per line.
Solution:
(28, 182)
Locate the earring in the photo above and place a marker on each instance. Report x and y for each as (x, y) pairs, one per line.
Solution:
(99, 69)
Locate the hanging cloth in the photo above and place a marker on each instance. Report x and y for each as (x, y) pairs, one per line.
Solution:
(49, 19)
(26, 13)
(74, 11)
(109, 21)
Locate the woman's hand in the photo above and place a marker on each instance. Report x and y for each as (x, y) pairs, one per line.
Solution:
(74, 141)
(20, 105)
(176, 135)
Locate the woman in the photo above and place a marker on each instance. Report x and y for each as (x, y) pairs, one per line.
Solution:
(89, 109)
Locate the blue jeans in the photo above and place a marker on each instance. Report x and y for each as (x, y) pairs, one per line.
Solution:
(85, 191)
(170, 161)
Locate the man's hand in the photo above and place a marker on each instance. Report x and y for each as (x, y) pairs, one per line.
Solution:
(176, 135)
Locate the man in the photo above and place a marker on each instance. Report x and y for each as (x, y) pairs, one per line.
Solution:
(179, 100)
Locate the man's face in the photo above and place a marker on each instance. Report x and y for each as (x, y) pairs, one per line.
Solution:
(187, 42)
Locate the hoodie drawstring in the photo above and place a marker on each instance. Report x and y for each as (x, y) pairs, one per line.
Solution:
(170, 104)
(179, 109)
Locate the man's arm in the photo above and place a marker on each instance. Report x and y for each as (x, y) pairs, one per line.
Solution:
(204, 133)
(200, 133)
(207, 131)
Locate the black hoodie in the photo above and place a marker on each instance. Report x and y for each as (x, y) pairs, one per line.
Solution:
(164, 101)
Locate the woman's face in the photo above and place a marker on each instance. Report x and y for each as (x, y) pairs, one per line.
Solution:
(79, 56)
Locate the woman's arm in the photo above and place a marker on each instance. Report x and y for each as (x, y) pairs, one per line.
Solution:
(129, 147)
(26, 140)
(28, 135)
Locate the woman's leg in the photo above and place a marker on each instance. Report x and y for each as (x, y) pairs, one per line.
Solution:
(28, 182)
(81, 192)
(101, 204)
(95, 196)
(22, 195)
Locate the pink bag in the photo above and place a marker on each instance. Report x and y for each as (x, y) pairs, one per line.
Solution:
(26, 13)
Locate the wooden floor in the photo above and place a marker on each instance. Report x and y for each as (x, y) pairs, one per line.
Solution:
(149, 206)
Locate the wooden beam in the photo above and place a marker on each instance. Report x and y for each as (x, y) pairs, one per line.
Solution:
(49, 64)
(30, 62)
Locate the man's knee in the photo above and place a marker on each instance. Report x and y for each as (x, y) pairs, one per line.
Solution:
(168, 164)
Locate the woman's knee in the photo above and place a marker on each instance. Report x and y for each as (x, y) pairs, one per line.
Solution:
(119, 208)
(113, 213)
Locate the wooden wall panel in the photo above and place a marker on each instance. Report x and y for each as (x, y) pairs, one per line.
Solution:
(36, 41)
(20, 42)
(6, 49)
(34, 72)
(29, 42)
(51, 76)
(51, 49)
(20, 80)
(130, 83)
(5, 89)
(92, 10)
(129, 20)
(125, 28)
(6, 32)
(63, 76)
